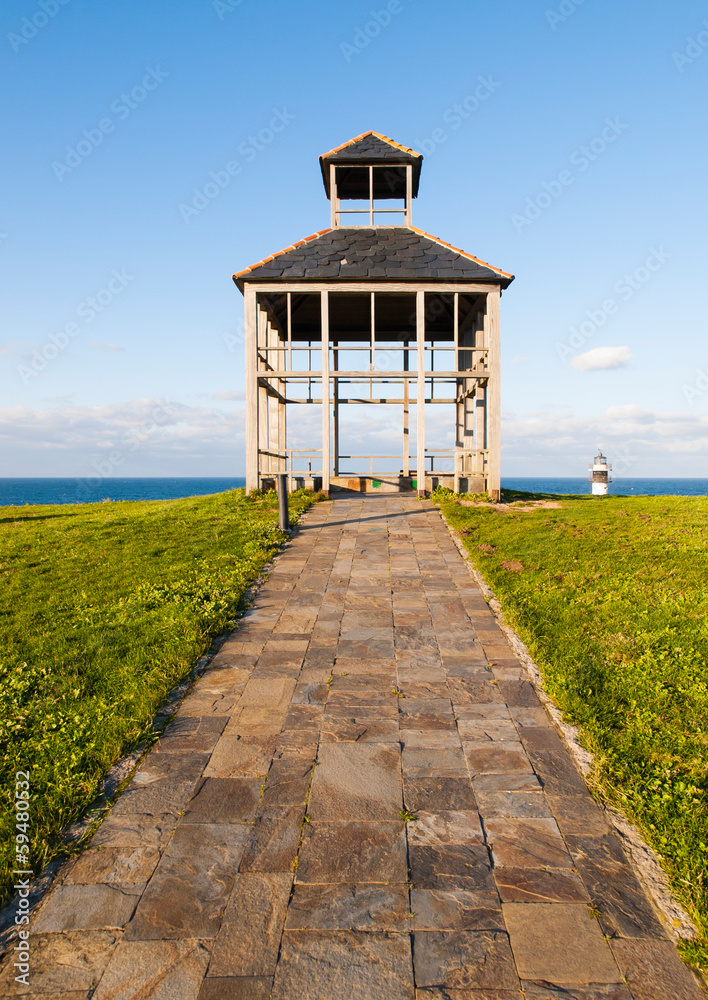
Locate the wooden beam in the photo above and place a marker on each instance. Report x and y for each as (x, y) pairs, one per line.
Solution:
(313, 287)
(360, 401)
(324, 304)
(251, 359)
(277, 373)
(420, 382)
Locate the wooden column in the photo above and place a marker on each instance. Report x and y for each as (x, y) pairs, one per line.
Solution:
(282, 432)
(371, 196)
(409, 195)
(406, 414)
(372, 331)
(273, 401)
(420, 343)
(324, 300)
(282, 386)
(251, 361)
(459, 390)
(335, 414)
(333, 199)
(263, 401)
(480, 404)
(493, 392)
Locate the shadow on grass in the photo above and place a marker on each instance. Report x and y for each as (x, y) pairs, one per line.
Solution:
(30, 517)
(508, 496)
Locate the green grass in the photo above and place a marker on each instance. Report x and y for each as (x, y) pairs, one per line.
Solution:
(613, 605)
(103, 609)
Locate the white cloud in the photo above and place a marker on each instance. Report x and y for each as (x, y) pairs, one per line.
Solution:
(648, 443)
(520, 359)
(602, 358)
(228, 394)
(158, 438)
(59, 400)
(104, 347)
(153, 437)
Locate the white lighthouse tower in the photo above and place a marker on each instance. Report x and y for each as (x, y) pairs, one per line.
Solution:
(599, 475)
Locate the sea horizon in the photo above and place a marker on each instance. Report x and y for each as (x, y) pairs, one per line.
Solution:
(45, 490)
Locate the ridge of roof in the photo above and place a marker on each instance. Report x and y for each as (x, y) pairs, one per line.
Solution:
(279, 253)
(363, 135)
(464, 253)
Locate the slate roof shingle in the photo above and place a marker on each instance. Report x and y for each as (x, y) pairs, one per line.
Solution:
(372, 147)
(398, 253)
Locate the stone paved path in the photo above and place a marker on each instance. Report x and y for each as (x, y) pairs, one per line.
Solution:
(262, 848)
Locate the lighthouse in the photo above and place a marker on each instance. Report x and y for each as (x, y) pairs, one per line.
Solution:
(599, 475)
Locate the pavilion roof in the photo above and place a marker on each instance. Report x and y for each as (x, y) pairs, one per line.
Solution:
(398, 253)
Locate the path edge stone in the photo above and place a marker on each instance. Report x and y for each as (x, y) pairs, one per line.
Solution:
(642, 856)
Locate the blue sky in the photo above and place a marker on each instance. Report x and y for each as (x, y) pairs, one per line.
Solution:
(582, 171)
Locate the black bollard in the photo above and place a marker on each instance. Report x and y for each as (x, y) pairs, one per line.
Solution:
(283, 515)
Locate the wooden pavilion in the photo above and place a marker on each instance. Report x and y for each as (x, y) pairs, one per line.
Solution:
(373, 311)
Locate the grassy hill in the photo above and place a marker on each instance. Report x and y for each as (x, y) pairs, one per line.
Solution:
(103, 609)
(611, 597)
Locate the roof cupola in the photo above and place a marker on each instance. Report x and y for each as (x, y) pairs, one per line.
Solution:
(371, 181)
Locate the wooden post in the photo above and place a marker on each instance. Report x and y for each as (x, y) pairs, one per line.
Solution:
(282, 426)
(251, 360)
(480, 403)
(493, 393)
(372, 343)
(280, 338)
(335, 413)
(409, 195)
(371, 196)
(406, 414)
(478, 336)
(324, 306)
(273, 401)
(263, 401)
(333, 199)
(459, 390)
(420, 343)
(289, 320)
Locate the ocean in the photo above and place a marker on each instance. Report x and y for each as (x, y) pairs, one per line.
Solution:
(33, 491)
(620, 487)
(56, 491)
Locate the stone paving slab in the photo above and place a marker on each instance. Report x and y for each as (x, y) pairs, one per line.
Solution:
(361, 797)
